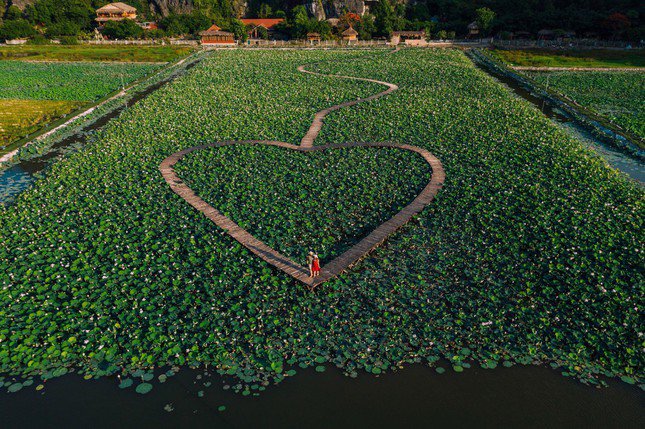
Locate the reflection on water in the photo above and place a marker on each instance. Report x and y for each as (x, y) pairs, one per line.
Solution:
(618, 160)
(415, 397)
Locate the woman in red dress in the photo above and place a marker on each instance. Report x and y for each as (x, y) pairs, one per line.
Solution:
(315, 266)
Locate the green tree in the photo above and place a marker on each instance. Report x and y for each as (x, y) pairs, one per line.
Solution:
(66, 28)
(215, 9)
(265, 11)
(13, 13)
(299, 22)
(485, 18)
(365, 27)
(238, 28)
(125, 29)
(384, 18)
(193, 23)
(47, 12)
(16, 29)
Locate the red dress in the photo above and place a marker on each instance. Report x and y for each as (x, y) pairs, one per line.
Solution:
(315, 266)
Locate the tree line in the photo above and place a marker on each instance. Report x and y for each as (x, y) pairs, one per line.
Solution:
(69, 20)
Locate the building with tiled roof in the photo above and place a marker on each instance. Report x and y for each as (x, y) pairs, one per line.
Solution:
(253, 25)
(115, 12)
(214, 36)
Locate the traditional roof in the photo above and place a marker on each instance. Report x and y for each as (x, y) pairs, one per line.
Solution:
(117, 8)
(313, 34)
(473, 26)
(350, 32)
(214, 30)
(267, 23)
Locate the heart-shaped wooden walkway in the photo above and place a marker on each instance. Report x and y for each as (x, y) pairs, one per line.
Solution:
(356, 252)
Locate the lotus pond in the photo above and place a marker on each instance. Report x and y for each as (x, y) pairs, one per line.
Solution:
(618, 96)
(324, 202)
(532, 252)
(86, 81)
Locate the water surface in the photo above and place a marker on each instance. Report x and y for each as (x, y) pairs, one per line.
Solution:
(415, 397)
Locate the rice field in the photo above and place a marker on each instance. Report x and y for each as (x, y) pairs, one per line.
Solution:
(34, 94)
(107, 53)
(19, 118)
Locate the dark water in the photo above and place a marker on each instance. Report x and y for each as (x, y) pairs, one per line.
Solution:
(415, 397)
(615, 158)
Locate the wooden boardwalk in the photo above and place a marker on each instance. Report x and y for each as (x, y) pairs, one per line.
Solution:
(272, 256)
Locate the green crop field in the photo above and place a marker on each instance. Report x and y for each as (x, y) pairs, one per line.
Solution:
(531, 252)
(618, 96)
(33, 94)
(573, 57)
(19, 118)
(328, 201)
(66, 81)
(117, 53)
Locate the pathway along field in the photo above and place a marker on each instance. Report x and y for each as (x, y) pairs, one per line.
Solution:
(353, 254)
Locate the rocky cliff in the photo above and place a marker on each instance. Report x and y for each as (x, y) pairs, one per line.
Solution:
(325, 9)
(164, 7)
(321, 9)
(20, 3)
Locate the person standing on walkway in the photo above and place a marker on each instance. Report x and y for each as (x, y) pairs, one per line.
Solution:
(310, 261)
(315, 268)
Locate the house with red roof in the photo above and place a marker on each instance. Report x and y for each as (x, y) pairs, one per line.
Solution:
(253, 25)
(214, 36)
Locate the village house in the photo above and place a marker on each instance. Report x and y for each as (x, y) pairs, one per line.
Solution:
(115, 12)
(254, 24)
(473, 29)
(313, 37)
(413, 38)
(148, 25)
(214, 36)
(350, 35)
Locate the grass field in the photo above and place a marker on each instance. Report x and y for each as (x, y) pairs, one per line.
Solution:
(573, 58)
(94, 53)
(19, 118)
(531, 252)
(81, 81)
(33, 94)
(618, 96)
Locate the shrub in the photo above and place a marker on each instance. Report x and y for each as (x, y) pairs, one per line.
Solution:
(39, 39)
(65, 28)
(68, 40)
(126, 29)
(16, 29)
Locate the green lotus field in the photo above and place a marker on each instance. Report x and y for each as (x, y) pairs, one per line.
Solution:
(531, 252)
(618, 96)
(79, 81)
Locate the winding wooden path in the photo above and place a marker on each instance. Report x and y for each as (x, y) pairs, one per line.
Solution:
(356, 252)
